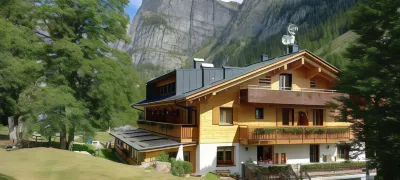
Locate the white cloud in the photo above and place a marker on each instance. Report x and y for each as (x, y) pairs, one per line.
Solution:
(238, 1)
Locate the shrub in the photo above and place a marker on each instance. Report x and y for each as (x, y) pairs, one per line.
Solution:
(264, 130)
(249, 161)
(180, 168)
(291, 130)
(163, 157)
(333, 166)
(271, 169)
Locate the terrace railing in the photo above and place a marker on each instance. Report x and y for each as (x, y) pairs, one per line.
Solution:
(182, 132)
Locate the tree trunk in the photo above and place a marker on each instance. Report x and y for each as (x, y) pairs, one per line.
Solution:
(63, 134)
(71, 136)
(20, 128)
(12, 129)
(49, 141)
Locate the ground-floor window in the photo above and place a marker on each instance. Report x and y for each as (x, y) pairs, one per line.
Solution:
(225, 156)
(343, 151)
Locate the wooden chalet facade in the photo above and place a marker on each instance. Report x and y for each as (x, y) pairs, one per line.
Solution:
(274, 111)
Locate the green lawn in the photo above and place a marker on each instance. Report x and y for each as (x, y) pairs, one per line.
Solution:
(49, 163)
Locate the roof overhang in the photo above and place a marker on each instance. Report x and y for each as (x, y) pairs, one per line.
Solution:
(303, 57)
(133, 139)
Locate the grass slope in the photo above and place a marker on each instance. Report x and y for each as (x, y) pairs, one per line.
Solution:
(49, 163)
(338, 45)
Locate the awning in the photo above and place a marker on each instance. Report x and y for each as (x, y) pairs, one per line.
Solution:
(142, 140)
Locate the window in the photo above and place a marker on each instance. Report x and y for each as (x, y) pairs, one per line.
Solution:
(186, 155)
(259, 113)
(167, 89)
(287, 116)
(225, 156)
(343, 151)
(285, 82)
(265, 81)
(225, 116)
(134, 154)
(313, 84)
(318, 117)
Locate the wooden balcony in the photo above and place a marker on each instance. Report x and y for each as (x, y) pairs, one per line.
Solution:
(315, 97)
(181, 132)
(293, 135)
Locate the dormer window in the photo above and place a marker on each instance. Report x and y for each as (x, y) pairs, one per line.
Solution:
(167, 89)
(265, 81)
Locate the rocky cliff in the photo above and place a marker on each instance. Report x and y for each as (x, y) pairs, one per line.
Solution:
(166, 32)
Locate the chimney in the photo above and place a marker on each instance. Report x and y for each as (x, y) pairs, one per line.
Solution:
(292, 48)
(207, 65)
(197, 63)
(264, 57)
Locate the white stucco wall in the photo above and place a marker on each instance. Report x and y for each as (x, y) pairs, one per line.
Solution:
(295, 153)
(206, 158)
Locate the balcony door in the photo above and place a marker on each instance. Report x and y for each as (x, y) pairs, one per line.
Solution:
(318, 117)
(264, 153)
(287, 116)
(314, 153)
(285, 82)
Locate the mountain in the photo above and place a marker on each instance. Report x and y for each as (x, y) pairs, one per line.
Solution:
(167, 34)
(260, 24)
(333, 50)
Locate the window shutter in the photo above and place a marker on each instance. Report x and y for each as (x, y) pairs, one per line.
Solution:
(215, 116)
(235, 115)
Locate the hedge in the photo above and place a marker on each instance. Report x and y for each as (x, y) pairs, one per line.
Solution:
(271, 169)
(333, 166)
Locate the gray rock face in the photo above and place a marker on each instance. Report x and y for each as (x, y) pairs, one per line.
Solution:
(167, 32)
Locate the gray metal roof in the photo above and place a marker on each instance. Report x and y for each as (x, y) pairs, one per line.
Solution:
(142, 140)
(236, 72)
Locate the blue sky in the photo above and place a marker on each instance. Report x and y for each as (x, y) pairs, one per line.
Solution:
(135, 4)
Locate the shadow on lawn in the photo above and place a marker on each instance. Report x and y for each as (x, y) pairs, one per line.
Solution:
(6, 177)
(108, 154)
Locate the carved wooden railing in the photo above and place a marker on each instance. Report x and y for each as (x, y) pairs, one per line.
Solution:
(298, 134)
(182, 132)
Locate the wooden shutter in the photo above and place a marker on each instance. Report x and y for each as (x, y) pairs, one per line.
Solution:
(215, 116)
(235, 115)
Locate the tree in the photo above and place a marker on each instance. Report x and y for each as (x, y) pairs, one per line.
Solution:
(19, 49)
(372, 78)
(101, 79)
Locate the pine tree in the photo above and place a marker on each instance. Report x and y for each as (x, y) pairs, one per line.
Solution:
(372, 78)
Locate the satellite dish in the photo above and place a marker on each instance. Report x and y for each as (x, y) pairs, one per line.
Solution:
(288, 39)
(292, 29)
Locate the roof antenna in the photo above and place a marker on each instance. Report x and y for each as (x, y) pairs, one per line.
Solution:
(289, 40)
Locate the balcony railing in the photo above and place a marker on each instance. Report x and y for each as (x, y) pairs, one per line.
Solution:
(182, 132)
(305, 96)
(293, 135)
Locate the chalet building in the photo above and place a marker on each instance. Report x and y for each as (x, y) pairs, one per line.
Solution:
(271, 112)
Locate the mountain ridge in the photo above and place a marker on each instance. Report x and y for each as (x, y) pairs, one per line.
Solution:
(167, 34)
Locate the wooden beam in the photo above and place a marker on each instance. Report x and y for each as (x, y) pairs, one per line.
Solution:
(285, 67)
(313, 72)
(296, 64)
